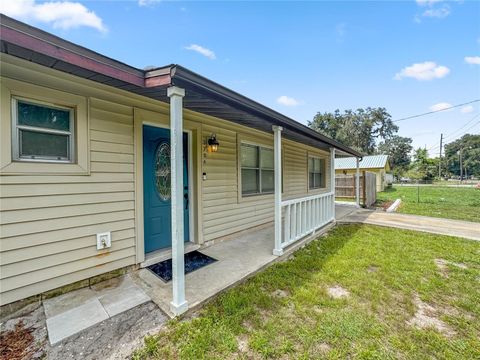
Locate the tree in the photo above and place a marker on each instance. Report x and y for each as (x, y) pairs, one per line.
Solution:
(423, 168)
(470, 146)
(358, 129)
(398, 149)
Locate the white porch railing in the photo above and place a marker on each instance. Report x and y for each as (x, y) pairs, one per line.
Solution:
(303, 216)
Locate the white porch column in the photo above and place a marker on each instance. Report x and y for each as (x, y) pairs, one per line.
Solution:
(179, 305)
(277, 154)
(357, 182)
(332, 178)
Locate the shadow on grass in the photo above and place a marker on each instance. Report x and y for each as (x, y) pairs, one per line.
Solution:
(247, 306)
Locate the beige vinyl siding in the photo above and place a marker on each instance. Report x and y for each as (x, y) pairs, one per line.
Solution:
(225, 211)
(49, 223)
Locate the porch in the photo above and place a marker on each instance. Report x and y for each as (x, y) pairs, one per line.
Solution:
(238, 257)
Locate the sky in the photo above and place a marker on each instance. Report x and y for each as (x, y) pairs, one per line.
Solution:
(298, 58)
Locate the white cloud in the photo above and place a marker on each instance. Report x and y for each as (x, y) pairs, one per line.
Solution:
(147, 2)
(60, 14)
(472, 60)
(467, 109)
(433, 9)
(287, 101)
(427, 70)
(202, 50)
(427, 2)
(440, 13)
(440, 106)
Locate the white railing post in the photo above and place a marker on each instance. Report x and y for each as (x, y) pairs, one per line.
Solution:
(332, 179)
(277, 154)
(357, 183)
(178, 305)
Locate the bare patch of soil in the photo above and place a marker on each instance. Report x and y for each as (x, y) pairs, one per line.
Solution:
(442, 265)
(372, 268)
(248, 325)
(320, 348)
(242, 341)
(337, 292)
(425, 318)
(386, 204)
(280, 293)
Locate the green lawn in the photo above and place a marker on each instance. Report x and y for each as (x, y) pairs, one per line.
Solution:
(285, 311)
(436, 201)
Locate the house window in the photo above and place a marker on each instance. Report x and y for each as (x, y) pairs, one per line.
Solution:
(42, 131)
(257, 170)
(316, 173)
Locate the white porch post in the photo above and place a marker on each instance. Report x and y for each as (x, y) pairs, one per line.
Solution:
(332, 178)
(357, 182)
(178, 305)
(277, 154)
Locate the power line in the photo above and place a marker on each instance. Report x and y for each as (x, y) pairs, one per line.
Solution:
(466, 131)
(453, 132)
(435, 111)
(468, 122)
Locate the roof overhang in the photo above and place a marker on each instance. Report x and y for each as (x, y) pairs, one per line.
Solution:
(201, 94)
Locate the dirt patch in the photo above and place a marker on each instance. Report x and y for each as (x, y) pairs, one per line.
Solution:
(280, 293)
(242, 341)
(386, 204)
(114, 338)
(442, 265)
(248, 325)
(320, 349)
(338, 292)
(24, 337)
(372, 268)
(454, 312)
(425, 318)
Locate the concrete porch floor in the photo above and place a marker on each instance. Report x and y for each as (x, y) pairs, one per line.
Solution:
(237, 258)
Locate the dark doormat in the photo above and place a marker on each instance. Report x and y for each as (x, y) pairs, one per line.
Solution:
(193, 260)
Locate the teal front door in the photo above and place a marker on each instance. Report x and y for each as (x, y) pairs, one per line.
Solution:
(157, 188)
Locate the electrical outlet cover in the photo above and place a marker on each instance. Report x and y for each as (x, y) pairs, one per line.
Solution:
(104, 240)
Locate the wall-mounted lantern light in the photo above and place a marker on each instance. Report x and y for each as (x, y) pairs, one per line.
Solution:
(212, 143)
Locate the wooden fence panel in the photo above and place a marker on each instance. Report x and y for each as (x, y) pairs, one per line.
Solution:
(345, 186)
(370, 189)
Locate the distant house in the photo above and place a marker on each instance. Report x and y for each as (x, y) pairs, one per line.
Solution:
(377, 164)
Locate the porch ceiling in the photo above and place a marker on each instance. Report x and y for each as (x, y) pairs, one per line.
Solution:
(202, 95)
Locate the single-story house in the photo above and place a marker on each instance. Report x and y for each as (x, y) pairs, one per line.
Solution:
(377, 164)
(104, 166)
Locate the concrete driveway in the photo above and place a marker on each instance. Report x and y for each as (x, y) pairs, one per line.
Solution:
(465, 229)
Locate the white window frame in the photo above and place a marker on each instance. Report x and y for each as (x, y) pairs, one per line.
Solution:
(21, 89)
(322, 173)
(259, 168)
(16, 141)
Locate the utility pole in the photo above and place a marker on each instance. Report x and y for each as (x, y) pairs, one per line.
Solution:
(461, 164)
(440, 159)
